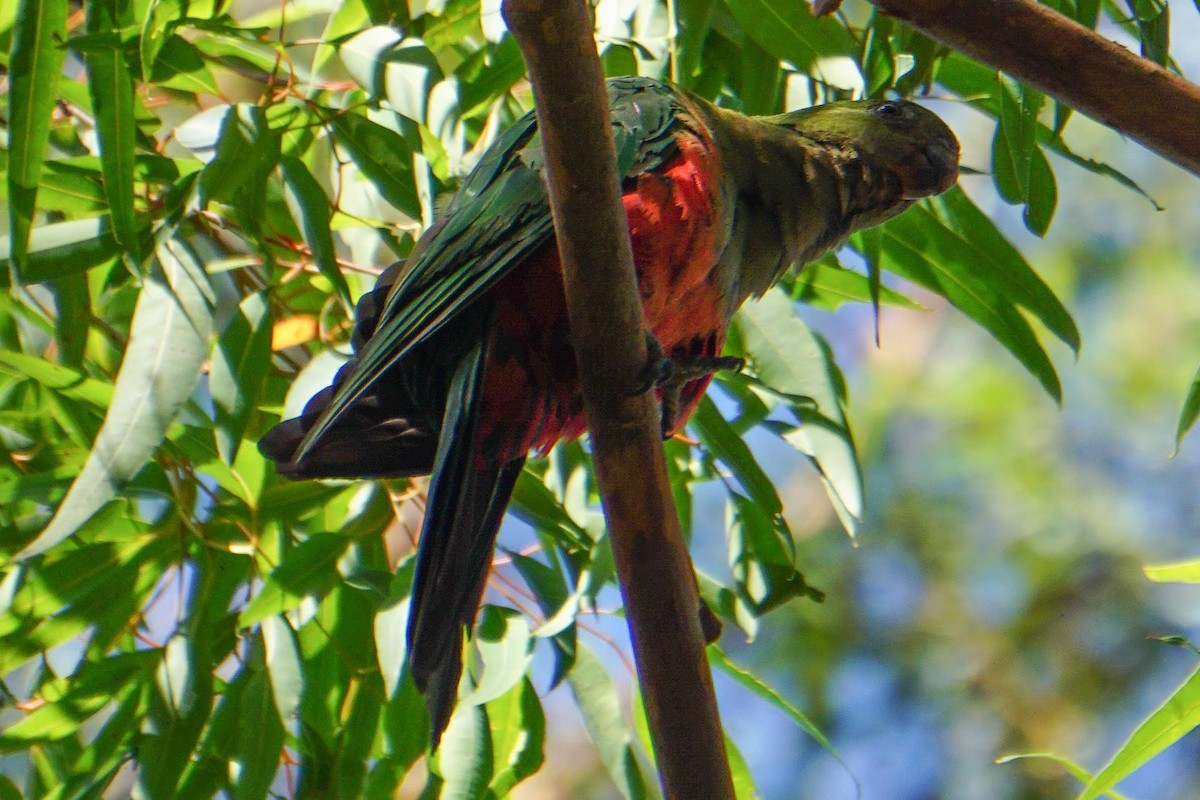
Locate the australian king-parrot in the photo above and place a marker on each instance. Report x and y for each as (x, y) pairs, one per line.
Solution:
(463, 359)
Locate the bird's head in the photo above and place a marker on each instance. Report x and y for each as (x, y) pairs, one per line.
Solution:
(903, 138)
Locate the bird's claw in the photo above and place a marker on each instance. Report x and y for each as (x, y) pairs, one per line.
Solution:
(670, 375)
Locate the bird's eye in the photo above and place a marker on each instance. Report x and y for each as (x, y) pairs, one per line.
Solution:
(890, 110)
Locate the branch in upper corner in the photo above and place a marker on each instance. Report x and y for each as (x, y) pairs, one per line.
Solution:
(1046, 50)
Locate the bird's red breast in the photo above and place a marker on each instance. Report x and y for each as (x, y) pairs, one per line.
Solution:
(676, 225)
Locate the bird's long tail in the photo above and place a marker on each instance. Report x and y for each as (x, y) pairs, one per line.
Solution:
(466, 503)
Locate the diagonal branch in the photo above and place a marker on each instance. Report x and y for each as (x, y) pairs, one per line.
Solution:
(656, 577)
(1045, 49)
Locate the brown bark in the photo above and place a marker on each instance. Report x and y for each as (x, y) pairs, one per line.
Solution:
(605, 315)
(1045, 49)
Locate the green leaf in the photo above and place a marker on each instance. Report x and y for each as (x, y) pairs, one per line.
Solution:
(518, 728)
(80, 697)
(247, 152)
(462, 766)
(1154, 28)
(1178, 716)
(168, 344)
(174, 676)
(308, 568)
(981, 243)
(34, 69)
(110, 83)
(1077, 772)
(926, 247)
(1190, 412)
(284, 666)
(160, 17)
(383, 157)
(506, 650)
(790, 32)
(310, 205)
(70, 382)
(790, 359)
(828, 286)
(559, 604)
(179, 65)
(724, 442)
(239, 366)
(260, 737)
(1043, 195)
(749, 680)
(63, 248)
(601, 709)
(1182, 572)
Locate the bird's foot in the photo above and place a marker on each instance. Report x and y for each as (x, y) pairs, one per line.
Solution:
(670, 375)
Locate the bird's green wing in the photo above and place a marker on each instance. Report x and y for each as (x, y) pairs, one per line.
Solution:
(498, 218)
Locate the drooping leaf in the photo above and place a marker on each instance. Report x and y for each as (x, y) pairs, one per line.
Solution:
(308, 568)
(750, 681)
(505, 648)
(168, 343)
(791, 33)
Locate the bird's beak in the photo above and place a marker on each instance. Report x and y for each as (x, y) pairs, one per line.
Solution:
(931, 171)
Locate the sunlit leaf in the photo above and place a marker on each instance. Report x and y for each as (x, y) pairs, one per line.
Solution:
(791, 33)
(750, 681)
(284, 667)
(1182, 572)
(505, 645)
(1178, 716)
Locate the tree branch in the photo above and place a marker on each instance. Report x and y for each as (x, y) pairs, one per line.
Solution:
(604, 309)
(1045, 49)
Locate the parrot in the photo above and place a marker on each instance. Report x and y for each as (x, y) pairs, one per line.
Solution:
(463, 363)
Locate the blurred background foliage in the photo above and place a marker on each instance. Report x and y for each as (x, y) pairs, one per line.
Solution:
(209, 184)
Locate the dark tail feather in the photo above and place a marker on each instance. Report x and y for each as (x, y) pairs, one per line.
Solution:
(466, 504)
